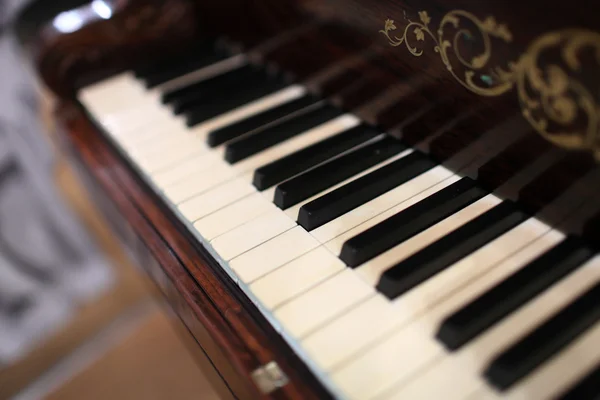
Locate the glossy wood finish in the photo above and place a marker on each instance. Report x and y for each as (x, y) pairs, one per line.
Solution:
(236, 340)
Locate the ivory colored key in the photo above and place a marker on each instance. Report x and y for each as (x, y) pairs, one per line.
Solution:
(326, 347)
(459, 374)
(436, 289)
(292, 212)
(384, 202)
(331, 298)
(167, 140)
(232, 216)
(161, 161)
(272, 254)
(371, 271)
(396, 359)
(213, 200)
(559, 374)
(169, 151)
(252, 234)
(306, 139)
(199, 182)
(337, 342)
(189, 167)
(336, 244)
(296, 277)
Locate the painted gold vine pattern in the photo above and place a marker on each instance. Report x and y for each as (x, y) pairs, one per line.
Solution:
(556, 98)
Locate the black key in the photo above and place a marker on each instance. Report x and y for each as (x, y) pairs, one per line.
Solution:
(545, 341)
(233, 131)
(327, 175)
(588, 388)
(340, 201)
(442, 254)
(411, 221)
(270, 136)
(512, 293)
(222, 104)
(163, 63)
(224, 89)
(179, 66)
(287, 167)
(208, 87)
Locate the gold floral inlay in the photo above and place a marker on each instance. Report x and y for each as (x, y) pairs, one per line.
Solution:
(559, 98)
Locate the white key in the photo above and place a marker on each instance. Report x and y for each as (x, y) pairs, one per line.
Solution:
(293, 212)
(371, 270)
(345, 336)
(460, 374)
(232, 216)
(154, 131)
(114, 94)
(246, 167)
(252, 234)
(272, 254)
(470, 268)
(380, 204)
(159, 162)
(326, 301)
(138, 118)
(326, 347)
(397, 358)
(158, 144)
(560, 373)
(190, 167)
(298, 142)
(296, 277)
(199, 183)
(215, 199)
(182, 146)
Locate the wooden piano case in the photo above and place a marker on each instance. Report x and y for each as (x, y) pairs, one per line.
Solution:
(515, 65)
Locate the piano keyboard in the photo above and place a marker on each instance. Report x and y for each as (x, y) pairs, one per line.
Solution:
(390, 275)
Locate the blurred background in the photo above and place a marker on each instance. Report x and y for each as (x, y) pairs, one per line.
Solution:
(77, 318)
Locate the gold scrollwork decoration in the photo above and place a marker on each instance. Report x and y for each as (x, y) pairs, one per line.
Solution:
(557, 97)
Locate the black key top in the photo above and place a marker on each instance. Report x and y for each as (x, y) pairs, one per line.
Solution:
(305, 159)
(224, 89)
(512, 293)
(340, 201)
(442, 254)
(330, 174)
(262, 139)
(163, 63)
(177, 67)
(588, 388)
(223, 104)
(545, 341)
(233, 131)
(411, 221)
(210, 86)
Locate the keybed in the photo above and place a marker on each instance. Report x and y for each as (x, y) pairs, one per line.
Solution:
(392, 275)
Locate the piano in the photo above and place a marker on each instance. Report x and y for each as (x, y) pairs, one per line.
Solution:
(384, 199)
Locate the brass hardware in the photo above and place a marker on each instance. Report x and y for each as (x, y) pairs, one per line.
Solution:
(556, 97)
